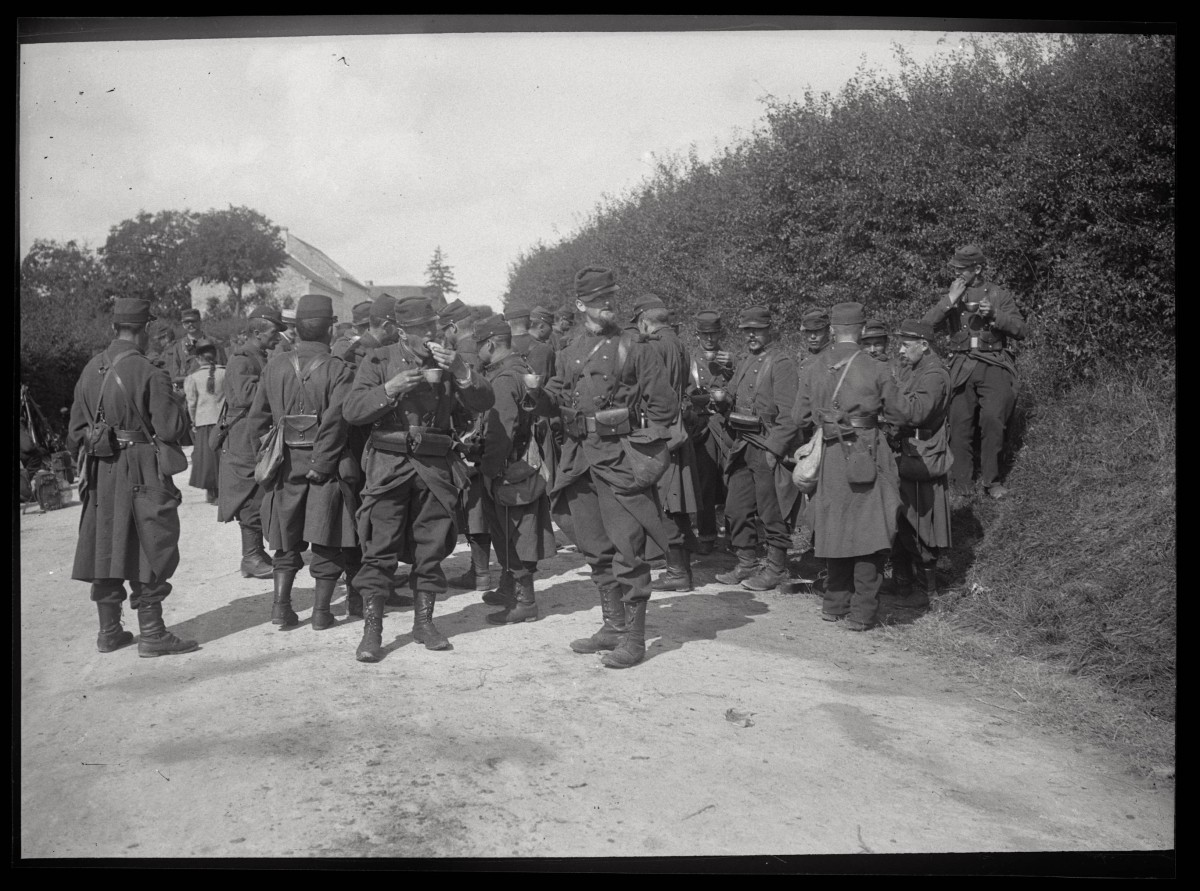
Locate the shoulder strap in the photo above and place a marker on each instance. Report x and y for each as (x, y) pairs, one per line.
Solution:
(623, 348)
(112, 367)
(137, 409)
(842, 379)
(312, 366)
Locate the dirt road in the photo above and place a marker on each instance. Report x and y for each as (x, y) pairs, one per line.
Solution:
(753, 727)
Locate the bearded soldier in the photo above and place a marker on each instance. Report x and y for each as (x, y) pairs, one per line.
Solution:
(604, 382)
(407, 393)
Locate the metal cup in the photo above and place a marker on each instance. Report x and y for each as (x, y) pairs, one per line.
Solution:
(433, 375)
(718, 394)
(533, 381)
(971, 305)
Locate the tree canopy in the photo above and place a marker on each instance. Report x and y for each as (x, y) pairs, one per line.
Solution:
(237, 247)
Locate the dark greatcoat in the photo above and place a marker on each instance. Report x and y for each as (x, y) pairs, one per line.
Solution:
(295, 509)
(994, 334)
(767, 389)
(527, 527)
(584, 381)
(677, 488)
(239, 452)
(427, 405)
(540, 358)
(710, 439)
(925, 400)
(850, 520)
(118, 538)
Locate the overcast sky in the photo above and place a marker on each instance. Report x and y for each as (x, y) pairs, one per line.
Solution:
(377, 149)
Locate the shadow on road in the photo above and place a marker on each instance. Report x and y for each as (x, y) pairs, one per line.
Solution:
(683, 618)
(238, 615)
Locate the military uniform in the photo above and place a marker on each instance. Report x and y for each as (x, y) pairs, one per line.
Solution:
(129, 523)
(413, 479)
(604, 490)
(710, 441)
(759, 487)
(924, 523)
(982, 372)
(854, 522)
(298, 511)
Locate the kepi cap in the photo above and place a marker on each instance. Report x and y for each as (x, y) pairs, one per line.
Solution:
(847, 314)
(755, 317)
(190, 315)
(491, 327)
(315, 306)
(593, 283)
(360, 314)
(967, 256)
(874, 328)
(383, 309)
(516, 312)
(815, 320)
(708, 322)
(413, 311)
(541, 314)
(132, 311)
(269, 313)
(915, 329)
(645, 302)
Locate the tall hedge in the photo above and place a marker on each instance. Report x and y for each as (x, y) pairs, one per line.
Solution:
(1055, 153)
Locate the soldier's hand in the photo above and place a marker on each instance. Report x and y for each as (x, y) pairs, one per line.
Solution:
(772, 459)
(986, 310)
(723, 358)
(956, 289)
(448, 360)
(317, 476)
(403, 382)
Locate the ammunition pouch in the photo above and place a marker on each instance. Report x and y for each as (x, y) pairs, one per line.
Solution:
(101, 441)
(300, 431)
(744, 422)
(612, 422)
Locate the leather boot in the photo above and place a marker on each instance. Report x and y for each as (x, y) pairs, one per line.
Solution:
(112, 635)
(609, 635)
(354, 601)
(902, 573)
(925, 586)
(155, 639)
(678, 576)
(255, 562)
(506, 592)
(370, 648)
(772, 574)
(424, 631)
(524, 609)
(704, 545)
(282, 613)
(747, 566)
(479, 576)
(322, 618)
(632, 649)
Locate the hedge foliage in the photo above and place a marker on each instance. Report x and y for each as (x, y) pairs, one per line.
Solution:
(1055, 153)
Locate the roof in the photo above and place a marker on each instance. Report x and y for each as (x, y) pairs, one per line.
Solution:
(397, 291)
(317, 261)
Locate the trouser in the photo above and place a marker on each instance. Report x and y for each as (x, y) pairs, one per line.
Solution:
(909, 542)
(678, 528)
(408, 512)
(989, 391)
(612, 541)
(504, 539)
(750, 491)
(144, 593)
(328, 562)
(249, 515)
(852, 587)
(708, 470)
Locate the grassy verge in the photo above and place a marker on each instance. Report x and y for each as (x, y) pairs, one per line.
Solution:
(1065, 593)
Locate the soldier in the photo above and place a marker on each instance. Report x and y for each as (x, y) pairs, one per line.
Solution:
(604, 491)
(128, 420)
(311, 499)
(517, 318)
(540, 356)
(407, 392)
(380, 331)
(710, 442)
(875, 340)
(287, 337)
(515, 501)
(853, 512)
(181, 356)
(815, 332)
(564, 328)
(981, 318)
(677, 488)
(924, 523)
(346, 339)
(162, 338)
(239, 497)
(759, 421)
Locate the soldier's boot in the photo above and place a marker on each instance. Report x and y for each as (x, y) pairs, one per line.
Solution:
(747, 566)
(705, 545)
(609, 635)
(255, 562)
(322, 617)
(678, 576)
(479, 576)
(524, 608)
(354, 601)
(282, 613)
(112, 634)
(902, 573)
(632, 648)
(925, 586)
(370, 648)
(506, 592)
(772, 574)
(424, 631)
(155, 639)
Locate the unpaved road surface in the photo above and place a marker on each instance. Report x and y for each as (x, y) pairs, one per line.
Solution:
(752, 727)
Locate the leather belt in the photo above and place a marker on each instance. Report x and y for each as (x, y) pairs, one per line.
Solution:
(130, 437)
(865, 423)
(832, 430)
(919, 433)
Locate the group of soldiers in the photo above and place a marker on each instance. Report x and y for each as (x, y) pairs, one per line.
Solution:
(417, 425)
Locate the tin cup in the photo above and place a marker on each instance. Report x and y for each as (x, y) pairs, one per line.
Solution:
(433, 375)
(971, 305)
(718, 394)
(532, 381)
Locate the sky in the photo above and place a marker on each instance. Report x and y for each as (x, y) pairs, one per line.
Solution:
(378, 149)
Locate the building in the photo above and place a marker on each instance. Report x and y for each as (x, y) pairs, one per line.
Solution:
(309, 270)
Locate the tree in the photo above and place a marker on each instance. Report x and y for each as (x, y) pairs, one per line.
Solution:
(150, 256)
(237, 247)
(439, 279)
